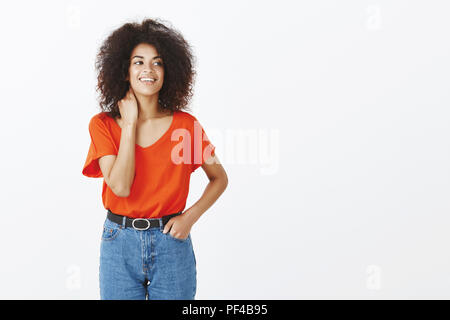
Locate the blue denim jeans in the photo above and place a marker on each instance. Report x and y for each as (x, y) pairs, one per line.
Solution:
(145, 264)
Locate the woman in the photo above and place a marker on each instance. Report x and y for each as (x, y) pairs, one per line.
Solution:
(145, 147)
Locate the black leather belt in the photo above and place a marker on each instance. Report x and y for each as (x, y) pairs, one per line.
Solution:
(140, 223)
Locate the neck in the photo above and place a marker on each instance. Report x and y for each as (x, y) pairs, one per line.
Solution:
(148, 107)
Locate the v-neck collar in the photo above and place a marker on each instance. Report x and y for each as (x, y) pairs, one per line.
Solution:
(157, 142)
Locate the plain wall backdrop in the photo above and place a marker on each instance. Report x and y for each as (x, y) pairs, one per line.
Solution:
(331, 119)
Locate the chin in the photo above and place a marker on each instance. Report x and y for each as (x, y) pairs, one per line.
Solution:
(145, 93)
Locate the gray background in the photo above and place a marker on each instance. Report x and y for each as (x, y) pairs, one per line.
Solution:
(331, 119)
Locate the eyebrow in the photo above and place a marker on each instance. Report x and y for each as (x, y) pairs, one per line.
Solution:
(143, 57)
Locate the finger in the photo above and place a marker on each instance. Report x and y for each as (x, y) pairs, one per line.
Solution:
(167, 227)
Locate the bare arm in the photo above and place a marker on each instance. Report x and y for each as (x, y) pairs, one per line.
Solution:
(218, 182)
(181, 225)
(119, 170)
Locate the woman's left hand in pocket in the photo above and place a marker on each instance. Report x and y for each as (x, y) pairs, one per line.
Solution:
(179, 226)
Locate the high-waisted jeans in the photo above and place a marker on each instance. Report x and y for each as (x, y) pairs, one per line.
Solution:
(145, 264)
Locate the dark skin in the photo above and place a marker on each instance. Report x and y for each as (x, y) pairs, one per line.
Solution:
(143, 105)
(180, 226)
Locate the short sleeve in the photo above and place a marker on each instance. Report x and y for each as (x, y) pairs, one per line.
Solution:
(101, 144)
(203, 149)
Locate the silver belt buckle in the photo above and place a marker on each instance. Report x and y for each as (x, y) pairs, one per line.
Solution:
(148, 224)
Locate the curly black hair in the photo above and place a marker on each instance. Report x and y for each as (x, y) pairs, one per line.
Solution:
(113, 61)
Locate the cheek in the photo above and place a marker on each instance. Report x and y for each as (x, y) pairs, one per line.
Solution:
(133, 70)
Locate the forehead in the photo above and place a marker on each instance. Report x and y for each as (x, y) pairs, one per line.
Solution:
(144, 49)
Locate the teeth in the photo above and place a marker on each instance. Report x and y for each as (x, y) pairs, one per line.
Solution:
(147, 79)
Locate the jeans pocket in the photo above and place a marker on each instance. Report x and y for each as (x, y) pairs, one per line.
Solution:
(110, 231)
(176, 239)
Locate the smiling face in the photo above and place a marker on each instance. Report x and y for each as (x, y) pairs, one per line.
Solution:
(146, 71)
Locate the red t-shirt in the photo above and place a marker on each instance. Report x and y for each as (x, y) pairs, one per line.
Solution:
(162, 170)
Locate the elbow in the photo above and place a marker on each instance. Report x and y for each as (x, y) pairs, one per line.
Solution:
(122, 192)
(222, 179)
(118, 188)
(225, 178)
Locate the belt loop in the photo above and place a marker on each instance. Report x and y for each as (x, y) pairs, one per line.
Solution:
(124, 222)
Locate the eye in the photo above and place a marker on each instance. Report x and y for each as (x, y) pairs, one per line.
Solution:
(159, 63)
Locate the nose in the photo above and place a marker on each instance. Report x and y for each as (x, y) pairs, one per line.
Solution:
(147, 68)
(147, 72)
